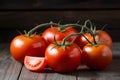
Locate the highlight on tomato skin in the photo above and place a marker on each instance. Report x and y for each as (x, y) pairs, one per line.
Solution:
(35, 64)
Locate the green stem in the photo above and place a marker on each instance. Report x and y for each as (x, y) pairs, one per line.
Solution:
(87, 39)
(91, 26)
(64, 40)
(74, 25)
(93, 31)
(39, 26)
(94, 40)
(62, 27)
(81, 32)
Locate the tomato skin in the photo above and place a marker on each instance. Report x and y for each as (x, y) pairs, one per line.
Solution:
(63, 60)
(104, 38)
(49, 34)
(97, 57)
(81, 41)
(35, 63)
(22, 45)
(38, 47)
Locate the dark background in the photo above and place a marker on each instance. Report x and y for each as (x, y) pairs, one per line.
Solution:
(19, 15)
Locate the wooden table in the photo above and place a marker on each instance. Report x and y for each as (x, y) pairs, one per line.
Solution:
(12, 70)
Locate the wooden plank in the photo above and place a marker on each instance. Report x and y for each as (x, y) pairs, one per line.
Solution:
(28, 75)
(110, 73)
(114, 33)
(46, 74)
(116, 50)
(61, 76)
(28, 20)
(9, 68)
(12, 70)
(57, 4)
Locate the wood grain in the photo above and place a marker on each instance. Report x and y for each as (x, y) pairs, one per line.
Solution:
(9, 68)
(57, 4)
(110, 73)
(29, 19)
(12, 70)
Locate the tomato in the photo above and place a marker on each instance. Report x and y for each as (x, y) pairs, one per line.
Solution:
(81, 41)
(105, 38)
(63, 59)
(22, 45)
(97, 57)
(102, 35)
(35, 63)
(50, 33)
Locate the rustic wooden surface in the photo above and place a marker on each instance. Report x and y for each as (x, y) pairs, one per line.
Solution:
(58, 4)
(12, 70)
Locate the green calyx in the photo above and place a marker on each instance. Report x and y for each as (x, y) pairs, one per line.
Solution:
(63, 43)
(29, 35)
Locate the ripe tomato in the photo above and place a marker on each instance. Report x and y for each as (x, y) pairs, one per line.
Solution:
(105, 38)
(102, 35)
(50, 33)
(22, 45)
(34, 63)
(63, 59)
(97, 57)
(81, 41)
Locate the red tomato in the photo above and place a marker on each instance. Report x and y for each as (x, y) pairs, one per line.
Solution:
(49, 34)
(34, 63)
(63, 59)
(81, 41)
(104, 38)
(97, 57)
(22, 45)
